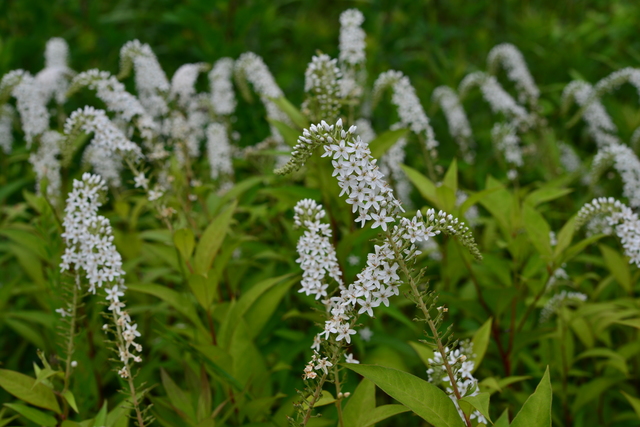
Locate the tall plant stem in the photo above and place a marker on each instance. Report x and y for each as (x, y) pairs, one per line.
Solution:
(428, 319)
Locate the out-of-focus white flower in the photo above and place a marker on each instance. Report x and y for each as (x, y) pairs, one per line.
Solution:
(456, 119)
(223, 98)
(219, 151)
(511, 59)
(184, 80)
(46, 163)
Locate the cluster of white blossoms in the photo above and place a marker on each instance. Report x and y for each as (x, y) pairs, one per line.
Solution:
(317, 363)
(624, 221)
(219, 151)
(183, 82)
(505, 139)
(113, 93)
(616, 79)
(410, 109)
(352, 55)
(561, 299)
(461, 360)
(317, 255)
(456, 119)
(569, 160)
(322, 85)
(46, 163)
(498, 99)
(223, 98)
(151, 81)
(32, 107)
(511, 59)
(599, 123)
(106, 135)
(89, 248)
(627, 164)
(53, 80)
(250, 67)
(7, 114)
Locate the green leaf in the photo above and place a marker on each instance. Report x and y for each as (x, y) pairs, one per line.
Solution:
(618, 266)
(423, 398)
(383, 142)
(178, 398)
(71, 400)
(33, 414)
(503, 421)
(424, 185)
(289, 134)
(565, 236)
(25, 388)
(633, 401)
(579, 247)
(479, 402)
(481, 342)
(203, 288)
(451, 177)
(499, 203)
(446, 198)
(475, 198)
(294, 114)
(101, 418)
(424, 351)
(185, 242)
(361, 402)
(538, 231)
(536, 411)
(212, 239)
(543, 195)
(382, 413)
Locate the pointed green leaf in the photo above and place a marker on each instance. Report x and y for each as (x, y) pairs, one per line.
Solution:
(481, 342)
(361, 402)
(538, 230)
(633, 401)
(479, 402)
(178, 398)
(618, 266)
(203, 288)
(565, 236)
(383, 142)
(71, 400)
(423, 398)
(25, 388)
(503, 421)
(382, 413)
(33, 414)
(543, 195)
(185, 242)
(212, 239)
(451, 177)
(101, 418)
(536, 411)
(424, 185)
(475, 198)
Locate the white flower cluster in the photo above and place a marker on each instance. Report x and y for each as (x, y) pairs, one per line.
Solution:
(352, 55)
(599, 123)
(151, 81)
(621, 218)
(46, 163)
(616, 79)
(106, 135)
(352, 36)
(184, 80)
(365, 130)
(456, 119)
(410, 109)
(498, 99)
(559, 300)
(89, 240)
(317, 255)
(88, 236)
(462, 361)
(117, 99)
(54, 78)
(511, 59)
(506, 140)
(219, 151)
(32, 107)
(6, 128)
(317, 363)
(627, 164)
(568, 158)
(322, 84)
(223, 98)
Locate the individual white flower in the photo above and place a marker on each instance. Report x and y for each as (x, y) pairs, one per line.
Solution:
(141, 181)
(350, 359)
(366, 334)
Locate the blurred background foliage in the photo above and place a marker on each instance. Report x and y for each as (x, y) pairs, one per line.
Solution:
(432, 41)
